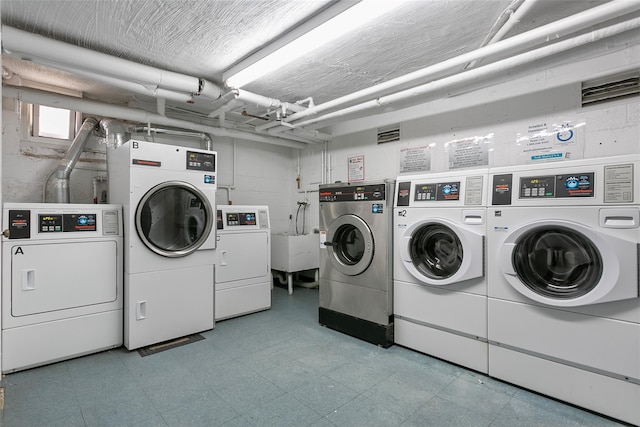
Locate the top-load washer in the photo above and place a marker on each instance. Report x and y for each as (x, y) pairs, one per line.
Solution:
(168, 197)
(439, 286)
(243, 266)
(61, 282)
(564, 312)
(356, 260)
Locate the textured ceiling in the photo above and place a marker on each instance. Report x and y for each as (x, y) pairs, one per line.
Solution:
(203, 38)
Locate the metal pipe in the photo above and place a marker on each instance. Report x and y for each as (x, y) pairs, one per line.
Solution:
(437, 87)
(554, 30)
(35, 48)
(115, 132)
(73, 154)
(206, 139)
(126, 113)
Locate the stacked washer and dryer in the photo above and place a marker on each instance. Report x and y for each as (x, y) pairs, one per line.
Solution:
(168, 198)
(439, 284)
(563, 260)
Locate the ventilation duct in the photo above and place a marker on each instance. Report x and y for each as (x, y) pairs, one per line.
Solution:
(73, 154)
(389, 134)
(610, 88)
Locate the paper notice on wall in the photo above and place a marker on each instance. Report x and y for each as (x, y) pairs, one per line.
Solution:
(415, 159)
(469, 152)
(356, 168)
(544, 141)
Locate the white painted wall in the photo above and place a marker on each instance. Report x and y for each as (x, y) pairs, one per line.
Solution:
(546, 93)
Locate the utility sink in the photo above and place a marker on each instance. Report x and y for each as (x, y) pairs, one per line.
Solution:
(291, 253)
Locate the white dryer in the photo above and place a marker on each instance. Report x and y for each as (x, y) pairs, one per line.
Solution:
(61, 282)
(564, 312)
(168, 197)
(439, 285)
(243, 261)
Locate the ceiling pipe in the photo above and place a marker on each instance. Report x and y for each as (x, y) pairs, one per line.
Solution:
(206, 139)
(438, 87)
(515, 12)
(56, 100)
(537, 36)
(38, 48)
(73, 154)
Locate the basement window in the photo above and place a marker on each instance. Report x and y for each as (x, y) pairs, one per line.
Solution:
(49, 122)
(50, 126)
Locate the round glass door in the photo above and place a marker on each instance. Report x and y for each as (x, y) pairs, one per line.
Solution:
(351, 242)
(436, 251)
(174, 219)
(557, 262)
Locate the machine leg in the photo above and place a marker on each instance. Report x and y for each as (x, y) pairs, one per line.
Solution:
(290, 282)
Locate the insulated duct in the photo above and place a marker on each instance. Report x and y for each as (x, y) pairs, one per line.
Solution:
(73, 154)
(115, 132)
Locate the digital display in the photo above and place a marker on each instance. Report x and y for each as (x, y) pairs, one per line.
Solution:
(440, 191)
(201, 161)
(55, 223)
(241, 218)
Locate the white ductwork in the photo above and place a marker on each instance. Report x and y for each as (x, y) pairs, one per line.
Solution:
(504, 48)
(111, 69)
(56, 100)
(73, 154)
(439, 87)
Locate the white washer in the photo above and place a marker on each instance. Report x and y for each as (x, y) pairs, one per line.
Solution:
(243, 267)
(564, 312)
(168, 197)
(439, 286)
(61, 282)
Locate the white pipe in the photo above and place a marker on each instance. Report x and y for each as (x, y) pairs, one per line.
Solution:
(438, 86)
(228, 188)
(514, 18)
(136, 87)
(206, 139)
(519, 42)
(35, 47)
(132, 114)
(266, 102)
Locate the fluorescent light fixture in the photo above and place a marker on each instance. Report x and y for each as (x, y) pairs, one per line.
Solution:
(348, 20)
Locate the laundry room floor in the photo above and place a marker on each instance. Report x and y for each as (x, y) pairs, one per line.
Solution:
(274, 368)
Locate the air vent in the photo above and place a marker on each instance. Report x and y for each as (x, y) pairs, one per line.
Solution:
(389, 134)
(610, 88)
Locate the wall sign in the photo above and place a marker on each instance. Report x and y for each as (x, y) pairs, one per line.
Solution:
(356, 168)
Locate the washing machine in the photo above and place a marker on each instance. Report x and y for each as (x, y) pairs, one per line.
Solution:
(355, 295)
(168, 198)
(563, 305)
(61, 282)
(439, 281)
(243, 266)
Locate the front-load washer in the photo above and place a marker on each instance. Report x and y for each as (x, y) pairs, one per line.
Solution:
(61, 282)
(243, 261)
(355, 295)
(563, 305)
(439, 283)
(168, 197)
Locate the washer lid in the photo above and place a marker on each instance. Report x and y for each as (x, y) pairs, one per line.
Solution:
(350, 243)
(174, 219)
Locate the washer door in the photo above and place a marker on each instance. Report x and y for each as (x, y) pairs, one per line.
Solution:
(561, 263)
(350, 244)
(439, 252)
(174, 219)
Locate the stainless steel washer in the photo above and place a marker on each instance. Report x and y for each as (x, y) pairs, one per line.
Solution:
(356, 260)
